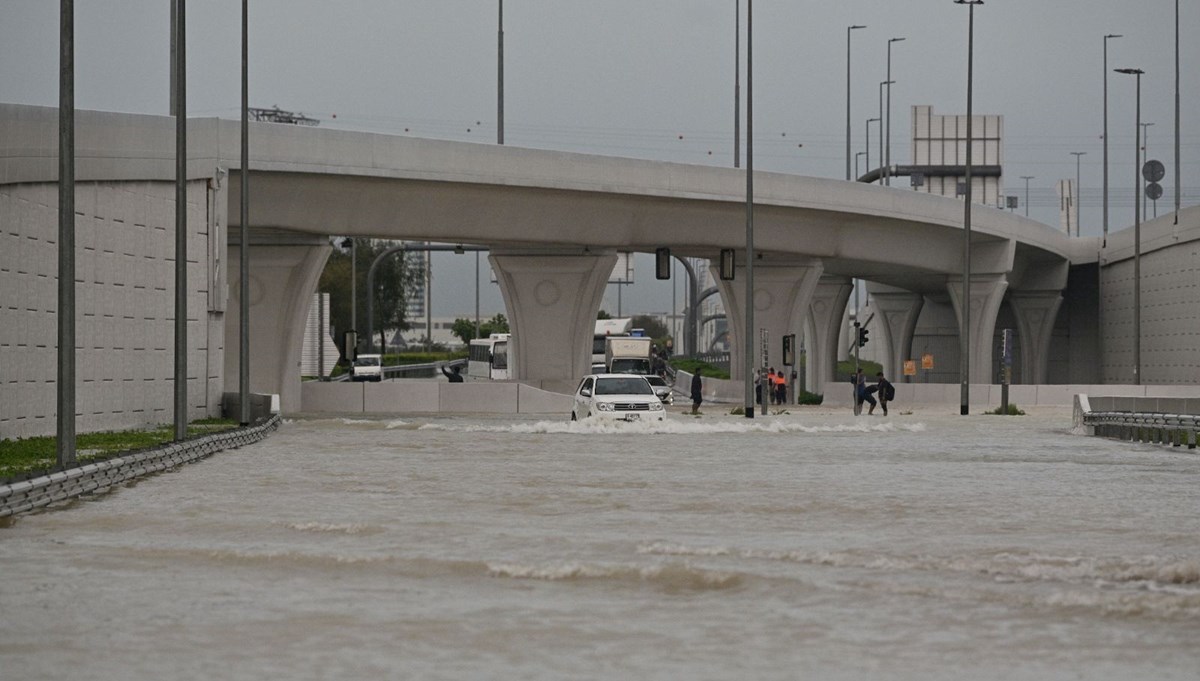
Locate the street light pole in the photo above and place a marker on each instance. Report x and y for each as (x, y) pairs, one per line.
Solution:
(887, 170)
(737, 84)
(1078, 190)
(1027, 178)
(244, 246)
(868, 145)
(1137, 232)
(848, 30)
(1178, 182)
(857, 172)
(65, 388)
(181, 228)
(964, 365)
(500, 76)
(748, 347)
(1104, 242)
(1145, 151)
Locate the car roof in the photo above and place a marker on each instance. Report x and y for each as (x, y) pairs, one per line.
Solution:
(615, 376)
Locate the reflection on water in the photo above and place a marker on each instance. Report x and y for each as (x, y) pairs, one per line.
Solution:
(806, 545)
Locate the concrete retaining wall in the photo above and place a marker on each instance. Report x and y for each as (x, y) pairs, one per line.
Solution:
(35, 493)
(430, 397)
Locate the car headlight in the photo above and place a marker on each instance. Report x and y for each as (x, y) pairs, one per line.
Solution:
(604, 406)
(656, 406)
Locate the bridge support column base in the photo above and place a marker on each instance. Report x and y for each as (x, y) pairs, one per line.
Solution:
(552, 298)
(782, 291)
(898, 311)
(987, 292)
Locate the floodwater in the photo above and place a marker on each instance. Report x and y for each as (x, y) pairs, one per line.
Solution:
(812, 545)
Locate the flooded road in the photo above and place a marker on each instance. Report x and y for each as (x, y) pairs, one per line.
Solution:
(811, 545)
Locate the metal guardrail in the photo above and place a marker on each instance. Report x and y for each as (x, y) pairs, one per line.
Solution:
(27, 495)
(424, 370)
(1177, 430)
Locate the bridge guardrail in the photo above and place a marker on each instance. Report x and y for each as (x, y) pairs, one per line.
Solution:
(1177, 430)
(27, 495)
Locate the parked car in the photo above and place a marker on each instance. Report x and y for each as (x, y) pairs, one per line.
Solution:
(617, 397)
(660, 387)
(367, 368)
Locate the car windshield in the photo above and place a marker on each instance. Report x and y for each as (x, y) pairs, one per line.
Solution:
(366, 361)
(634, 385)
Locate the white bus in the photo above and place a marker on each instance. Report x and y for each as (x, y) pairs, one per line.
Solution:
(604, 329)
(487, 358)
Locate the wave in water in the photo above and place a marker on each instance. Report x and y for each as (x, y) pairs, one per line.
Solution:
(673, 576)
(675, 426)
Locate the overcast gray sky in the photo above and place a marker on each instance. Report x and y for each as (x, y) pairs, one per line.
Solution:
(631, 77)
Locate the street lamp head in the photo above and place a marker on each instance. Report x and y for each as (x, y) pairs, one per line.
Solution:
(1113, 35)
(895, 40)
(873, 120)
(1130, 71)
(856, 26)
(888, 82)
(968, 2)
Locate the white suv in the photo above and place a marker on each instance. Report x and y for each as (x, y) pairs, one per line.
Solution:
(617, 397)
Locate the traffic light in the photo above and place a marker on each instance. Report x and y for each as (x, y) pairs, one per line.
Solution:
(662, 263)
(789, 350)
(862, 336)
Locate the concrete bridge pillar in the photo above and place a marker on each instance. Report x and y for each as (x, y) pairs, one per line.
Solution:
(826, 309)
(898, 312)
(552, 298)
(987, 293)
(1036, 312)
(782, 292)
(284, 271)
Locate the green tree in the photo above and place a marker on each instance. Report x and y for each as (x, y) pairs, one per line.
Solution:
(603, 315)
(651, 325)
(464, 329)
(394, 278)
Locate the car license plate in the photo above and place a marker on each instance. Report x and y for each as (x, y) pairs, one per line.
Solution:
(632, 417)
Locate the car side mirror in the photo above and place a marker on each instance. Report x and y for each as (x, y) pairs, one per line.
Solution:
(586, 392)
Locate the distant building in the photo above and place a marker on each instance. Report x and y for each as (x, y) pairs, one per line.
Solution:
(939, 148)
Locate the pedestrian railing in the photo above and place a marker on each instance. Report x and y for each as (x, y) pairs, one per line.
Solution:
(27, 495)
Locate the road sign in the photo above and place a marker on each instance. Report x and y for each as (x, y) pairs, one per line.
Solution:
(910, 367)
(1153, 171)
(927, 361)
(1154, 191)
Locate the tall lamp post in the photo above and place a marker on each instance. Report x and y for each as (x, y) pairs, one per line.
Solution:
(244, 231)
(1104, 242)
(964, 365)
(1144, 147)
(181, 231)
(1027, 178)
(748, 347)
(1137, 231)
(737, 84)
(868, 144)
(887, 159)
(1078, 190)
(857, 172)
(499, 78)
(848, 30)
(65, 388)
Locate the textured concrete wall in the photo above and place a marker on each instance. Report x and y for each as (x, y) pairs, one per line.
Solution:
(1170, 303)
(125, 255)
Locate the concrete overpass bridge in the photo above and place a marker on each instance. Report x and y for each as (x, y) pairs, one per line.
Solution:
(554, 222)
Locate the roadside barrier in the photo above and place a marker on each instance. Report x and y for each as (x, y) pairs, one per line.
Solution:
(26, 495)
(1123, 419)
(1177, 430)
